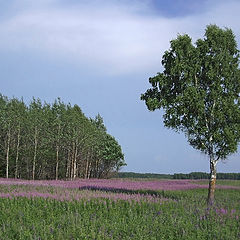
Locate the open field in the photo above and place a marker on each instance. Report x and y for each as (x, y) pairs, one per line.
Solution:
(220, 182)
(117, 209)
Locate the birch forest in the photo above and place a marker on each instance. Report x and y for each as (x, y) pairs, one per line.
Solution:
(54, 141)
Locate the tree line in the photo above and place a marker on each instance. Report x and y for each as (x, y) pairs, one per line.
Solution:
(203, 175)
(143, 175)
(192, 175)
(54, 141)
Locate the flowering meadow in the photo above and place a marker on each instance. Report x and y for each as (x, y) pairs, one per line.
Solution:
(118, 209)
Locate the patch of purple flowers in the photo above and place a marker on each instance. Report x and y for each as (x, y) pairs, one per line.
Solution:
(109, 184)
(113, 184)
(66, 195)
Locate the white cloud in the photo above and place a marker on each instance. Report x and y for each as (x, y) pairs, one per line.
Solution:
(117, 38)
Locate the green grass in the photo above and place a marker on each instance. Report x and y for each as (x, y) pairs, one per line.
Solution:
(187, 217)
(235, 183)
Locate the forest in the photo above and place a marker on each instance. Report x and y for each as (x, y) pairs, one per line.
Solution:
(54, 141)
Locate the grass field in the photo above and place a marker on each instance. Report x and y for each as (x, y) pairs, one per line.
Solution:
(115, 209)
(235, 183)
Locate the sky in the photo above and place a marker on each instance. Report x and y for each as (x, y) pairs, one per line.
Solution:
(99, 54)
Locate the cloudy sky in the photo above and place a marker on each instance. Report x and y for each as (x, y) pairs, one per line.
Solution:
(99, 54)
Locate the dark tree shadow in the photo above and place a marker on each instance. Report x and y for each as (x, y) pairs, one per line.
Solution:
(124, 190)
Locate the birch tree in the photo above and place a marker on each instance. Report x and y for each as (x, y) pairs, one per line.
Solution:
(18, 119)
(35, 128)
(3, 103)
(199, 90)
(57, 131)
(6, 126)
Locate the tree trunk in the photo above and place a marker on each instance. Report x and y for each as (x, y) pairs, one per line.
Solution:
(86, 169)
(212, 182)
(89, 170)
(57, 163)
(97, 168)
(57, 152)
(72, 161)
(75, 163)
(7, 153)
(68, 164)
(17, 154)
(35, 155)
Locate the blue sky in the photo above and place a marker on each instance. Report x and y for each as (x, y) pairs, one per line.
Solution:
(99, 54)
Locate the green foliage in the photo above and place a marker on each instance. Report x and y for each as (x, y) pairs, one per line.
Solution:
(203, 175)
(192, 175)
(199, 90)
(98, 122)
(143, 175)
(47, 141)
(108, 150)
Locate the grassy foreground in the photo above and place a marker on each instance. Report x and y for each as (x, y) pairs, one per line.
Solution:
(183, 216)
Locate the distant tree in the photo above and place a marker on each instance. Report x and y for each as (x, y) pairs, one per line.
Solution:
(199, 89)
(144, 175)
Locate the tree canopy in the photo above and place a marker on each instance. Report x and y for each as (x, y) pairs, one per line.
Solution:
(199, 90)
(52, 141)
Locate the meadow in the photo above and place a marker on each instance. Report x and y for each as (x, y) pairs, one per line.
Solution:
(118, 209)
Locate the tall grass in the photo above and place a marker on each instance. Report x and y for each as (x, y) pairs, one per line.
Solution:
(182, 215)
